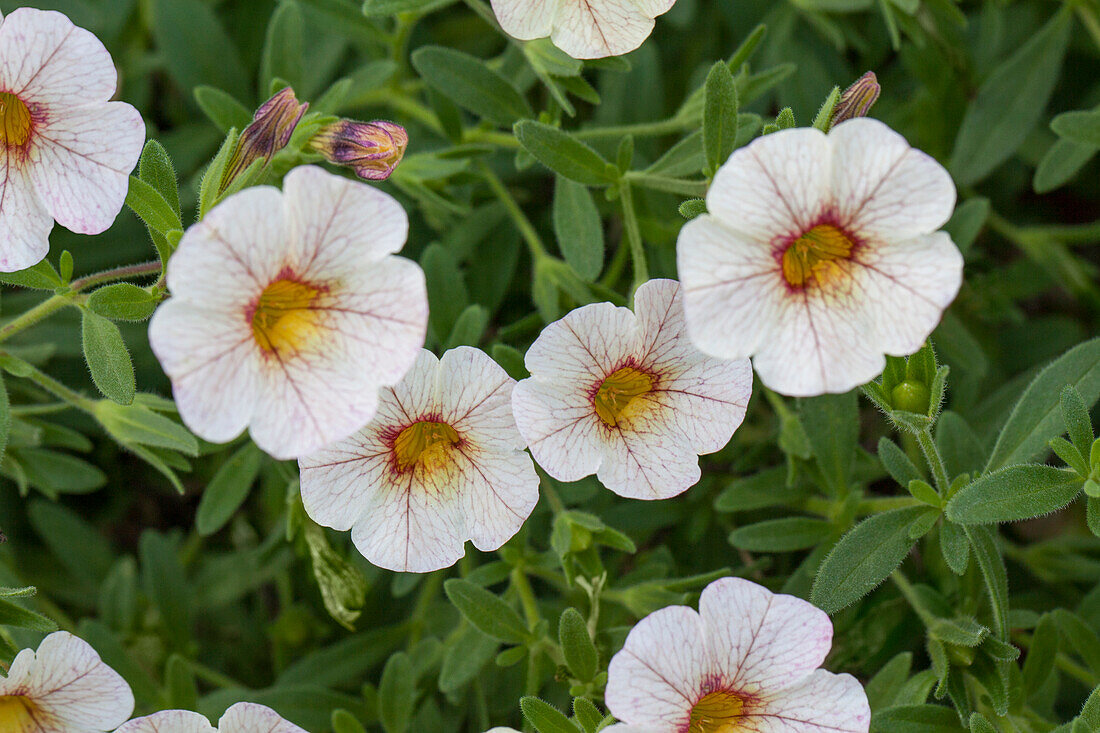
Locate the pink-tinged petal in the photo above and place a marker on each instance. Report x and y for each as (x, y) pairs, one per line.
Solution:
(585, 346)
(705, 397)
(475, 398)
(210, 358)
(247, 717)
(627, 728)
(560, 427)
(498, 491)
(20, 669)
(732, 288)
(819, 342)
(335, 223)
(645, 457)
(762, 641)
(823, 702)
(526, 19)
(594, 29)
(74, 689)
(653, 8)
(884, 189)
(775, 188)
(25, 224)
(80, 161)
(227, 259)
(169, 721)
(45, 59)
(908, 285)
(658, 675)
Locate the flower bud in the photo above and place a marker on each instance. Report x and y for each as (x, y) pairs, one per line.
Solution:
(270, 131)
(371, 149)
(857, 99)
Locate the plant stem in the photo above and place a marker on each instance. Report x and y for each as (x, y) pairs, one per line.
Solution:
(633, 237)
(639, 129)
(58, 389)
(526, 597)
(526, 229)
(935, 461)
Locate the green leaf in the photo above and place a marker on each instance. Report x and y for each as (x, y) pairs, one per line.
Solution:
(564, 154)
(194, 46)
(13, 615)
(58, 473)
(832, 425)
(1009, 103)
(979, 724)
(1037, 416)
(579, 228)
(756, 491)
(1090, 712)
(107, 358)
(916, 719)
(883, 688)
(896, 463)
(397, 694)
(345, 722)
(137, 424)
(511, 359)
(1075, 414)
(1060, 164)
(863, 558)
(228, 489)
(222, 108)
(577, 647)
(38, 277)
(719, 116)
(465, 658)
(993, 573)
(343, 586)
(392, 7)
(1014, 493)
(155, 168)
(470, 84)
(81, 548)
(1041, 653)
(487, 611)
(782, 535)
(955, 547)
(1080, 127)
(179, 682)
(166, 587)
(123, 302)
(282, 52)
(545, 717)
(967, 222)
(153, 209)
(469, 327)
(447, 296)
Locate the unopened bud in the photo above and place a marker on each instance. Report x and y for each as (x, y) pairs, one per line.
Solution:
(371, 149)
(270, 131)
(856, 101)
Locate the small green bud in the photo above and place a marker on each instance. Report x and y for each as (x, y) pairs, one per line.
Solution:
(911, 396)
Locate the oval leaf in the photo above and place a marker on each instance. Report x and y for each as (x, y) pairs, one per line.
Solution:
(469, 83)
(107, 357)
(1013, 493)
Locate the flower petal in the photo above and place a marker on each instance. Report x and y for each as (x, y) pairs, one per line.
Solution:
(81, 160)
(908, 285)
(211, 361)
(598, 28)
(72, 686)
(247, 717)
(823, 702)
(169, 721)
(25, 224)
(776, 187)
(45, 59)
(560, 427)
(884, 189)
(657, 676)
(475, 398)
(585, 346)
(526, 19)
(762, 641)
(646, 458)
(732, 288)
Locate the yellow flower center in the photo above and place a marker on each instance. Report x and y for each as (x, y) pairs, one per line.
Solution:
(618, 392)
(285, 319)
(717, 712)
(816, 256)
(15, 121)
(427, 444)
(17, 714)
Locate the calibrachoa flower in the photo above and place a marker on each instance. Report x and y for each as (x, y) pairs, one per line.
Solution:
(63, 687)
(626, 396)
(371, 149)
(65, 151)
(288, 312)
(820, 252)
(269, 132)
(441, 463)
(244, 717)
(747, 662)
(591, 29)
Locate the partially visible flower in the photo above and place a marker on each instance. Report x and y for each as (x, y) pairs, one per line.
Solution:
(857, 100)
(270, 131)
(626, 396)
(63, 687)
(819, 254)
(371, 149)
(244, 717)
(288, 312)
(441, 463)
(591, 29)
(746, 661)
(65, 150)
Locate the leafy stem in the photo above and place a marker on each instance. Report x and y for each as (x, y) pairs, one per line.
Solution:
(934, 459)
(633, 236)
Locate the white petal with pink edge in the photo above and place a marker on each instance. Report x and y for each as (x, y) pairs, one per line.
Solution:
(584, 30)
(248, 717)
(169, 721)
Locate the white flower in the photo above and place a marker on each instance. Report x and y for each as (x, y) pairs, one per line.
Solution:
(626, 396)
(65, 151)
(64, 687)
(244, 717)
(746, 662)
(441, 463)
(588, 29)
(819, 254)
(288, 312)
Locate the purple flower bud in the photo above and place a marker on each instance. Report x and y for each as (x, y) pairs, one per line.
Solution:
(857, 99)
(371, 149)
(270, 131)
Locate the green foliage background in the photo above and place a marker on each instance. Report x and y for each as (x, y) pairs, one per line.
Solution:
(226, 591)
